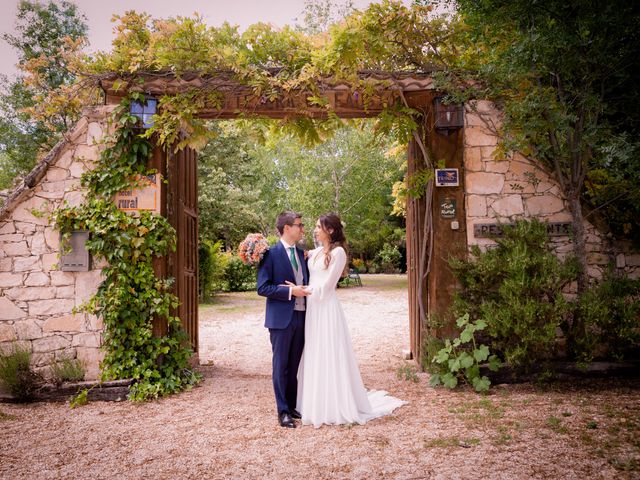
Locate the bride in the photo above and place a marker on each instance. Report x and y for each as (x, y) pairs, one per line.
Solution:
(330, 389)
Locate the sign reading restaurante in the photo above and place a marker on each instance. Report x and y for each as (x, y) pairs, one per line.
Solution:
(488, 230)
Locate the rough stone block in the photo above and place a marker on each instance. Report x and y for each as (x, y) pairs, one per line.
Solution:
(544, 205)
(483, 183)
(473, 159)
(42, 359)
(24, 212)
(31, 293)
(518, 186)
(479, 137)
(6, 265)
(7, 227)
(9, 279)
(632, 260)
(620, 261)
(59, 278)
(65, 323)
(55, 174)
(12, 237)
(26, 264)
(91, 358)
(508, 205)
(74, 198)
(8, 310)
(87, 284)
(50, 307)
(38, 244)
(52, 237)
(68, 291)
(86, 340)
(86, 152)
(17, 248)
(94, 133)
(95, 323)
(50, 344)
(49, 262)
(476, 206)
(28, 228)
(28, 329)
(500, 166)
(77, 169)
(65, 159)
(37, 279)
(7, 333)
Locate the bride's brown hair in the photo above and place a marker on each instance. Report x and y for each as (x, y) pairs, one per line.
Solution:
(331, 224)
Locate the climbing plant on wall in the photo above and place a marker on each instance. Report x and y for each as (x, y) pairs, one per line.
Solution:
(131, 294)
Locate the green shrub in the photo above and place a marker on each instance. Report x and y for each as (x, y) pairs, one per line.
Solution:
(67, 370)
(389, 259)
(610, 312)
(516, 289)
(16, 374)
(238, 276)
(212, 263)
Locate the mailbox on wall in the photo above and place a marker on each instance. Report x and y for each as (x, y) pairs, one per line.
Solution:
(76, 258)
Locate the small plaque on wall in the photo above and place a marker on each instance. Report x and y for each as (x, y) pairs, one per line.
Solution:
(76, 258)
(447, 177)
(146, 197)
(448, 208)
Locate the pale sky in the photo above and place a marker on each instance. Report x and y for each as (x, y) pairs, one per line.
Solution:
(215, 12)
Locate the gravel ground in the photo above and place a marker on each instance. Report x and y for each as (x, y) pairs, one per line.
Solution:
(227, 427)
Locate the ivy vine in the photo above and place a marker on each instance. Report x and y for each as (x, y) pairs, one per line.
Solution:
(131, 295)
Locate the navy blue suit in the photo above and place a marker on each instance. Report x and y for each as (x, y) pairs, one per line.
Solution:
(286, 325)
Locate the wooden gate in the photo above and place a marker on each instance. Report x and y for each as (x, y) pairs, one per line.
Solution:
(182, 213)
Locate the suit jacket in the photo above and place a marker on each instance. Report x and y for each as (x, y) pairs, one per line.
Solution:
(274, 270)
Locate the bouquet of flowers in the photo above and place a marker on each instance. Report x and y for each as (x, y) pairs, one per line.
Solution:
(252, 249)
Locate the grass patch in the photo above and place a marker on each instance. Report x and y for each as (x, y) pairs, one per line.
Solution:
(67, 370)
(407, 372)
(556, 425)
(6, 416)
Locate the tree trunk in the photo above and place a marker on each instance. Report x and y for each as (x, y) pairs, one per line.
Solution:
(579, 242)
(576, 329)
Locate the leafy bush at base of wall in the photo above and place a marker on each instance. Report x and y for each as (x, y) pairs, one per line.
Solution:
(610, 312)
(16, 374)
(516, 289)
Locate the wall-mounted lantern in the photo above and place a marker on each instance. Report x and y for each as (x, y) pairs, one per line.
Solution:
(448, 116)
(144, 111)
(76, 257)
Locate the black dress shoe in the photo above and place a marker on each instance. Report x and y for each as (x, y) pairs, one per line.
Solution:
(286, 420)
(295, 414)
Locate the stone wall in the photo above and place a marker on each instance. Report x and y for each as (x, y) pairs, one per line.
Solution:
(505, 190)
(37, 299)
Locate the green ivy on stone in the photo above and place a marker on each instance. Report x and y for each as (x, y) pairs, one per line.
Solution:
(131, 295)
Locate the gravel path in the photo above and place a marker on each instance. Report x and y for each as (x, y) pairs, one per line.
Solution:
(227, 427)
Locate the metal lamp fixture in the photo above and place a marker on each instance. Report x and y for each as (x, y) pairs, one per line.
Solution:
(144, 111)
(448, 116)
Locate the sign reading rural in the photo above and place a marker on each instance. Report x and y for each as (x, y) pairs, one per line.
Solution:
(146, 197)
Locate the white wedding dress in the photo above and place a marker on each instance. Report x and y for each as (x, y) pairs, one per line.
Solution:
(330, 389)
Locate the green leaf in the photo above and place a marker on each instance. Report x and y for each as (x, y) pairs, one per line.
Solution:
(449, 380)
(466, 360)
(481, 384)
(463, 320)
(434, 380)
(481, 353)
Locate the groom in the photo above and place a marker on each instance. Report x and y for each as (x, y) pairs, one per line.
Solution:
(285, 311)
